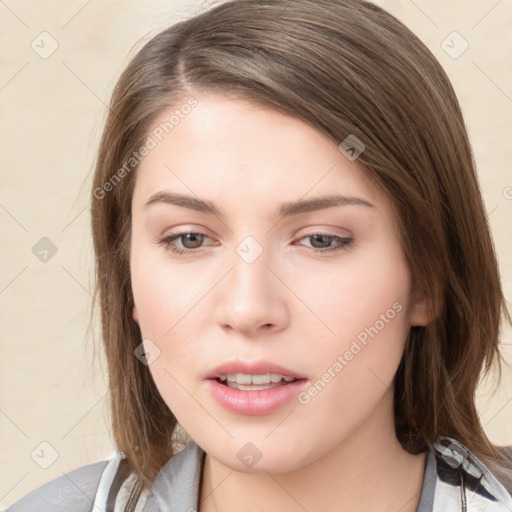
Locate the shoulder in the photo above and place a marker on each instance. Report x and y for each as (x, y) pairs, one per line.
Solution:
(75, 490)
(106, 485)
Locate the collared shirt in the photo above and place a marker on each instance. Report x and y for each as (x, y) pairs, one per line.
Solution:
(455, 480)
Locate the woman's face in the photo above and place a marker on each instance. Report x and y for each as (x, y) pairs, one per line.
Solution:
(318, 292)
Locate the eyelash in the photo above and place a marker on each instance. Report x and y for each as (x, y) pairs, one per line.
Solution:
(343, 242)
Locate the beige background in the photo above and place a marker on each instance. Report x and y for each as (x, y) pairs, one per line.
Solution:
(52, 111)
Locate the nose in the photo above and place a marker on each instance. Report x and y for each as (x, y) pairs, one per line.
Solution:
(251, 300)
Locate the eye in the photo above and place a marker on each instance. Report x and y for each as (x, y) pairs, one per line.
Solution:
(191, 240)
(323, 242)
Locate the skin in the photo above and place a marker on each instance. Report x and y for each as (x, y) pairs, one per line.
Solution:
(292, 306)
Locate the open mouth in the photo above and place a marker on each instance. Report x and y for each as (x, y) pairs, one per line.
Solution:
(254, 395)
(254, 382)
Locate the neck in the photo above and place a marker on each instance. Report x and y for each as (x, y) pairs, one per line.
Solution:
(369, 470)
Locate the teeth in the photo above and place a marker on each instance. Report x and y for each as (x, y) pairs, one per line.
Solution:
(244, 378)
(252, 387)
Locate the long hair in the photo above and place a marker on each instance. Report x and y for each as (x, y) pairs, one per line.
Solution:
(346, 67)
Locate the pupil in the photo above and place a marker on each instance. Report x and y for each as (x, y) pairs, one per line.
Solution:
(195, 243)
(322, 238)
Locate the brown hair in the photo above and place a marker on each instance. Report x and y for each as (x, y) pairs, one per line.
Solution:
(345, 67)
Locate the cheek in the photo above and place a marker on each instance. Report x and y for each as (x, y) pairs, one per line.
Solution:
(353, 370)
(168, 302)
(364, 290)
(364, 311)
(164, 304)
(163, 293)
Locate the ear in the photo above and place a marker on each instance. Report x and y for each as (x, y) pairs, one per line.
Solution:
(420, 314)
(135, 314)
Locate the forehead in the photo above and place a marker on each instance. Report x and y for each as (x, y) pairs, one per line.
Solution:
(239, 151)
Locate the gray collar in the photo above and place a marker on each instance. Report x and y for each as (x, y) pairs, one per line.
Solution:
(176, 487)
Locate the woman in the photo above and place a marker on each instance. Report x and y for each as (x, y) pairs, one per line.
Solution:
(294, 265)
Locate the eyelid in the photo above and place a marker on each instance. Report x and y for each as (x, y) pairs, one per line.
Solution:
(331, 231)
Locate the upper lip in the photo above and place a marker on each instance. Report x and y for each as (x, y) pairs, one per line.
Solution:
(252, 368)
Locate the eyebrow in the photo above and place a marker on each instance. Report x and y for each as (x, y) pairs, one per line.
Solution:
(286, 209)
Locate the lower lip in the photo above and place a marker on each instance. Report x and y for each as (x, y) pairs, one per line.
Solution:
(254, 402)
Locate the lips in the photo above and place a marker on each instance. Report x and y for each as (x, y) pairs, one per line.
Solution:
(252, 368)
(253, 400)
